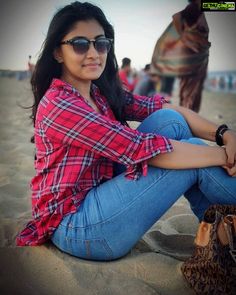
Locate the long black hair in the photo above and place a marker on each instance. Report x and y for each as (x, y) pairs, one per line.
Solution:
(48, 68)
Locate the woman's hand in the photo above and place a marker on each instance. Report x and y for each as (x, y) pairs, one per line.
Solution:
(229, 140)
(230, 171)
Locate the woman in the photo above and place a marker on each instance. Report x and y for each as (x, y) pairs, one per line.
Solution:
(100, 185)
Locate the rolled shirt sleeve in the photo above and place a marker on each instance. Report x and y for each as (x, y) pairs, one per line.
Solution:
(140, 107)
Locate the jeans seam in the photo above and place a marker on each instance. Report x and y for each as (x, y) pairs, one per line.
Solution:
(170, 123)
(86, 242)
(107, 247)
(215, 180)
(87, 246)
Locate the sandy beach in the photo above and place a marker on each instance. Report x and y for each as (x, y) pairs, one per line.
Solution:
(152, 267)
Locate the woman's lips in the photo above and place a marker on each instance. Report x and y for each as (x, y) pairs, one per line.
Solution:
(92, 65)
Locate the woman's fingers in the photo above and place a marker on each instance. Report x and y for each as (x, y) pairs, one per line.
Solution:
(231, 171)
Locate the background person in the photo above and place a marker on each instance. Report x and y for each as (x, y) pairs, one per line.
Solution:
(182, 51)
(125, 74)
(147, 84)
(31, 66)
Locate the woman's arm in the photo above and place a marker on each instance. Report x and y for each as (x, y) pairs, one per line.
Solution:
(139, 107)
(205, 129)
(199, 126)
(186, 156)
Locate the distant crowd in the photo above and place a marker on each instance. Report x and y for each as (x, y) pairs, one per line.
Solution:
(224, 81)
(147, 82)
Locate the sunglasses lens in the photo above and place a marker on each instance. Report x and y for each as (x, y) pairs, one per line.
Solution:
(81, 46)
(102, 45)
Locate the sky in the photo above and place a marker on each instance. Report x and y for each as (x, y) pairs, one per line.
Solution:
(137, 23)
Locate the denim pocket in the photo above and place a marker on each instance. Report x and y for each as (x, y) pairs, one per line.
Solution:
(94, 249)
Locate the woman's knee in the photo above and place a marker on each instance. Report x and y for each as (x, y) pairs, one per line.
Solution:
(165, 115)
(166, 122)
(168, 114)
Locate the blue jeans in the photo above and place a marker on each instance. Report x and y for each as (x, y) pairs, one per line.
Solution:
(118, 212)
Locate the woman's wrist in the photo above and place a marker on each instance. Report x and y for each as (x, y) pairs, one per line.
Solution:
(222, 156)
(227, 135)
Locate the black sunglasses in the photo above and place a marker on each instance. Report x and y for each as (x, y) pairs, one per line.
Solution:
(81, 44)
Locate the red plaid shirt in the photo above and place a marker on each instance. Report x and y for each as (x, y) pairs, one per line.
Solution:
(76, 147)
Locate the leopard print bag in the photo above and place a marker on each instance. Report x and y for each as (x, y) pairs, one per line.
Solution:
(211, 269)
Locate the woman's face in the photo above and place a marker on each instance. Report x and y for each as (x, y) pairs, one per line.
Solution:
(86, 66)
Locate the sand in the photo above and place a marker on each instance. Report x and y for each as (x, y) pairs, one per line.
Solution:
(152, 267)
